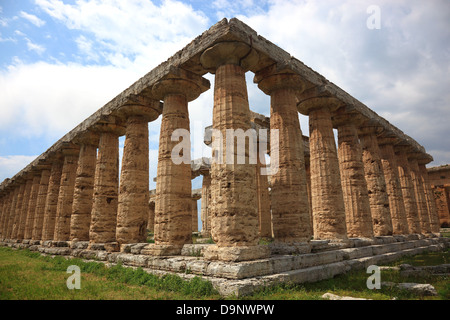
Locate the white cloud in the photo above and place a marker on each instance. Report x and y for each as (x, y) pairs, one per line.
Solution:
(32, 18)
(10, 165)
(39, 49)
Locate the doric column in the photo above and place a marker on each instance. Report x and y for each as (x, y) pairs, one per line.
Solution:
(194, 212)
(354, 185)
(151, 216)
(31, 212)
(40, 204)
(234, 207)
(24, 208)
(431, 203)
(262, 193)
(376, 183)
(132, 214)
(308, 184)
(290, 208)
(6, 211)
(409, 197)
(106, 187)
(206, 203)
(393, 186)
(18, 209)
(66, 189)
(173, 214)
(51, 202)
(326, 189)
(419, 192)
(12, 211)
(80, 219)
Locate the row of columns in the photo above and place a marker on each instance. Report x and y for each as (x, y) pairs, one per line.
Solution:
(366, 187)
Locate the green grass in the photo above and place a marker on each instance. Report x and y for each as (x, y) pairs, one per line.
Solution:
(29, 275)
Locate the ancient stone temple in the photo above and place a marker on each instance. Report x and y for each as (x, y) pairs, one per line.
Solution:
(439, 180)
(320, 208)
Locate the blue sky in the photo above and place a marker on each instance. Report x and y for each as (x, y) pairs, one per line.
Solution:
(60, 61)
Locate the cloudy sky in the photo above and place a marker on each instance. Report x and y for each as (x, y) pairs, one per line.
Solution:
(60, 61)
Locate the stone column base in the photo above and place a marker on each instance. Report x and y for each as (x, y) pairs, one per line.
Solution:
(109, 246)
(162, 250)
(235, 254)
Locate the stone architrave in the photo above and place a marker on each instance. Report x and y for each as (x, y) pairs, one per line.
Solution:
(102, 229)
(24, 209)
(289, 195)
(66, 192)
(393, 187)
(354, 185)
(419, 192)
(40, 205)
(80, 220)
(31, 214)
(326, 189)
(431, 203)
(173, 214)
(18, 210)
(409, 197)
(132, 214)
(234, 207)
(51, 202)
(376, 183)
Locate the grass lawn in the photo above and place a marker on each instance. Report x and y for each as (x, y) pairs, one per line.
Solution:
(26, 275)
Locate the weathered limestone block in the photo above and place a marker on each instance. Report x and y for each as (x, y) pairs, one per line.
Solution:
(80, 220)
(326, 189)
(376, 184)
(106, 186)
(132, 215)
(431, 203)
(409, 197)
(354, 185)
(289, 195)
(51, 201)
(40, 205)
(419, 193)
(66, 192)
(31, 210)
(393, 187)
(24, 209)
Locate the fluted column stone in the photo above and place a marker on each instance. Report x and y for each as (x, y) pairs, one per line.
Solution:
(376, 183)
(66, 192)
(419, 192)
(102, 230)
(51, 202)
(31, 213)
(132, 214)
(80, 220)
(290, 207)
(18, 210)
(24, 209)
(431, 202)
(408, 194)
(40, 204)
(234, 208)
(326, 189)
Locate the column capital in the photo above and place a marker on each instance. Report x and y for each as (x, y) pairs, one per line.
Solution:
(88, 137)
(229, 52)
(70, 149)
(148, 108)
(180, 81)
(112, 124)
(342, 117)
(275, 77)
(311, 100)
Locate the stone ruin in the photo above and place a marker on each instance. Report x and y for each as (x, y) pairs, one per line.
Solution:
(325, 211)
(440, 184)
